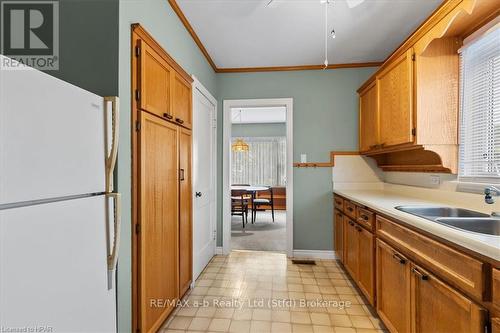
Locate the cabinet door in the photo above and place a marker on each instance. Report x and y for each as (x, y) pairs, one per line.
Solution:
(155, 80)
(182, 101)
(368, 118)
(159, 207)
(351, 247)
(366, 277)
(395, 91)
(436, 307)
(393, 288)
(185, 215)
(338, 236)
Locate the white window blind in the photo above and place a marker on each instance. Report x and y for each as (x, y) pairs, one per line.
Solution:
(479, 159)
(263, 164)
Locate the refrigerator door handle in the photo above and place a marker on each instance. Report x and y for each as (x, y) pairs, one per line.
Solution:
(113, 257)
(111, 159)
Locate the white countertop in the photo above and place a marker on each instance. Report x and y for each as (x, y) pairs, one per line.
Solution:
(387, 197)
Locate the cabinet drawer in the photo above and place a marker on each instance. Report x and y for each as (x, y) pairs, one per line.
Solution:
(495, 287)
(350, 209)
(457, 268)
(365, 218)
(338, 202)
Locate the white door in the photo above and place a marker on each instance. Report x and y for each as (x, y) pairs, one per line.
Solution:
(204, 231)
(53, 267)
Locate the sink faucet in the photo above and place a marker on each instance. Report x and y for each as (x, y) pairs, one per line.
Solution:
(489, 193)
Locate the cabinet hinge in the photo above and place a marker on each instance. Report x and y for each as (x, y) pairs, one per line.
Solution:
(137, 51)
(413, 57)
(137, 126)
(137, 95)
(413, 131)
(137, 228)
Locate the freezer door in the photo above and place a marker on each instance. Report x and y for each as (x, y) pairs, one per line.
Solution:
(52, 138)
(53, 269)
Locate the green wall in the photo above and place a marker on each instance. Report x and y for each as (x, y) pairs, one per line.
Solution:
(88, 45)
(256, 130)
(158, 18)
(325, 118)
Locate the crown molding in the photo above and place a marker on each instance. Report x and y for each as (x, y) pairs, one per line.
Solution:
(296, 68)
(191, 31)
(216, 69)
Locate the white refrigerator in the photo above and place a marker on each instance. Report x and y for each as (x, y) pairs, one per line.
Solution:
(59, 217)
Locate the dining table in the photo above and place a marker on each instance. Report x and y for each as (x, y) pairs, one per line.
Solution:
(251, 189)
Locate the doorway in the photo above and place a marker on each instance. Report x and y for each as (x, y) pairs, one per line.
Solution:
(258, 175)
(204, 177)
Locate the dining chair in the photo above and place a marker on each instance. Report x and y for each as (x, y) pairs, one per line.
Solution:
(263, 202)
(239, 204)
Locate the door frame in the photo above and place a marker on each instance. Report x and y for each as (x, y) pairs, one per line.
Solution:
(197, 85)
(226, 158)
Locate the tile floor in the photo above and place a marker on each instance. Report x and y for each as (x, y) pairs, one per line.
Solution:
(264, 292)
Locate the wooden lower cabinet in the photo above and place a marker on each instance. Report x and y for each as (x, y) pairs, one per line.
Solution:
(338, 235)
(366, 276)
(158, 238)
(393, 288)
(185, 212)
(410, 299)
(351, 247)
(436, 307)
(495, 325)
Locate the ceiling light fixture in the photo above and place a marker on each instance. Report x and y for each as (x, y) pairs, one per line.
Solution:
(332, 33)
(239, 145)
(326, 2)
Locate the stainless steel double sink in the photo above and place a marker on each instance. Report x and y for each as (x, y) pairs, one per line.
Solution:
(458, 218)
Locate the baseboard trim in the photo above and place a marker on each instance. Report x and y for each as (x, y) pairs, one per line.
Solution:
(314, 254)
(218, 250)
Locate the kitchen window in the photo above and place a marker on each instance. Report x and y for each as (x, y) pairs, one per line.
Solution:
(263, 164)
(479, 157)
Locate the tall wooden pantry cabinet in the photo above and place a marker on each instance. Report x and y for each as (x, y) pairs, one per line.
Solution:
(162, 203)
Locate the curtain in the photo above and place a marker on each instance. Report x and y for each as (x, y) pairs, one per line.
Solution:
(263, 164)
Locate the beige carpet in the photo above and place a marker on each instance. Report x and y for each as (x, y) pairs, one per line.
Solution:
(263, 235)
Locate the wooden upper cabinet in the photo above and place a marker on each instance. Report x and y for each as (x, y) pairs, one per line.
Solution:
(159, 226)
(155, 80)
(185, 212)
(182, 101)
(395, 92)
(436, 307)
(368, 118)
(393, 288)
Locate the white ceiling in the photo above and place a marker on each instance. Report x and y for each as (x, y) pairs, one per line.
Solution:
(258, 115)
(247, 33)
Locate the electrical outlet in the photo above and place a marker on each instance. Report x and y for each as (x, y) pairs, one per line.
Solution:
(435, 180)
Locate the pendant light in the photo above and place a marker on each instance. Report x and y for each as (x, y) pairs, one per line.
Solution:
(240, 145)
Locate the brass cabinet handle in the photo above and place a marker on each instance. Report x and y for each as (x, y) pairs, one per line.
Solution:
(168, 116)
(399, 258)
(363, 218)
(351, 223)
(179, 120)
(421, 275)
(350, 209)
(182, 174)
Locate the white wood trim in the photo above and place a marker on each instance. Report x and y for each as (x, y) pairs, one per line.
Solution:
(314, 254)
(197, 85)
(226, 145)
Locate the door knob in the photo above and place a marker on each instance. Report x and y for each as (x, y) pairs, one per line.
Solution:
(198, 194)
